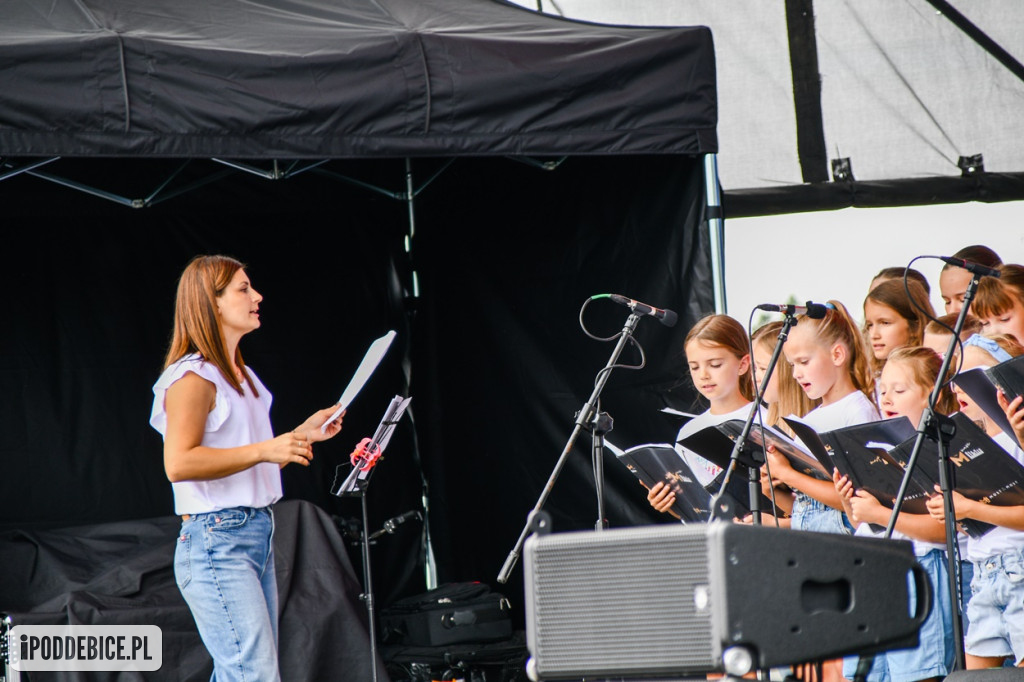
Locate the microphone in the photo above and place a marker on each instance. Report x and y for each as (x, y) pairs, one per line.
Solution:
(813, 310)
(391, 524)
(976, 268)
(666, 317)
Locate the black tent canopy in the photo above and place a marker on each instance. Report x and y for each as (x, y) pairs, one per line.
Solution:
(107, 92)
(317, 79)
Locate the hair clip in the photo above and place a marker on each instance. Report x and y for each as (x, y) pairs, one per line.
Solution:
(988, 345)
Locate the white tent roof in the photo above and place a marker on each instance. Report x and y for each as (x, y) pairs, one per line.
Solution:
(906, 92)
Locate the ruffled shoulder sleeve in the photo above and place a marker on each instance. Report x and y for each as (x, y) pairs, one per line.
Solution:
(197, 365)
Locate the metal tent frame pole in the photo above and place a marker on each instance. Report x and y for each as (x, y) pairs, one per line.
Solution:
(716, 230)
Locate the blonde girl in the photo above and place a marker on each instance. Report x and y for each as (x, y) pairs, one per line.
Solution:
(829, 363)
(904, 388)
(996, 607)
(718, 356)
(782, 397)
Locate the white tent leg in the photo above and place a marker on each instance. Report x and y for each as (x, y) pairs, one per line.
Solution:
(716, 229)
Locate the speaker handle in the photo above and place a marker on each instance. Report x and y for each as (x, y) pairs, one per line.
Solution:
(923, 585)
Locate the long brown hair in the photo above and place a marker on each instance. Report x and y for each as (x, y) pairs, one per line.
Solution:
(792, 398)
(996, 296)
(916, 309)
(196, 323)
(724, 331)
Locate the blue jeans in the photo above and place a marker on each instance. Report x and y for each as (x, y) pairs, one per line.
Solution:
(809, 514)
(934, 655)
(997, 607)
(966, 577)
(224, 567)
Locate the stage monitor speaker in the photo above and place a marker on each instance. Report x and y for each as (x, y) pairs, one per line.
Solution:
(684, 599)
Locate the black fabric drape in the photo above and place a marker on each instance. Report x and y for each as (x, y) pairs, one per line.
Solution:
(505, 270)
(91, 297)
(505, 252)
(122, 574)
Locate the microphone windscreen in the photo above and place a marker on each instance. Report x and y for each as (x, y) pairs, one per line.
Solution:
(670, 319)
(816, 311)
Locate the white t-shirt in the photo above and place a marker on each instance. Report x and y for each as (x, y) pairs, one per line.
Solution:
(704, 470)
(850, 410)
(235, 420)
(999, 540)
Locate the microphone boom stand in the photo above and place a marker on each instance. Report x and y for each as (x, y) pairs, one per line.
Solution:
(586, 416)
(943, 430)
(740, 445)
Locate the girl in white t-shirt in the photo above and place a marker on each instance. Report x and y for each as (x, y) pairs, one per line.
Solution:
(719, 361)
(903, 389)
(828, 361)
(996, 607)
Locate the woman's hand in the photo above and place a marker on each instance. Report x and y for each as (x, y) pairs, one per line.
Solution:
(293, 447)
(661, 497)
(311, 428)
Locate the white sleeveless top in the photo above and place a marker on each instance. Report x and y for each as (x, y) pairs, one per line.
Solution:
(235, 420)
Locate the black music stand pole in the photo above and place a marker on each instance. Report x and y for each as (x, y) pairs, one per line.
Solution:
(359, 490)
(940, 429)
(753, 461)
(587, 415)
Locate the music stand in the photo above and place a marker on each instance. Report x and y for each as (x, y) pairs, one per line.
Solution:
(355, 484)
(740, 447)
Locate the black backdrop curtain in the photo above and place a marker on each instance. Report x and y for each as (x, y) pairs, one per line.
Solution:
(503, 352)
(506, 254)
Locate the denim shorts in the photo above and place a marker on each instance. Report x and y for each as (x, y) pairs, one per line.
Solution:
(966, 577)
(935, 653)
(996, 609)
(224, 567)
(809, 514)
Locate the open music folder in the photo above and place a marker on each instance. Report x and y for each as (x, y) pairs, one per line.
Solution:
(654, 462)
(874, 457)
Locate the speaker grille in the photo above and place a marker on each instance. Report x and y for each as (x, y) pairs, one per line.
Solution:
(619, 602)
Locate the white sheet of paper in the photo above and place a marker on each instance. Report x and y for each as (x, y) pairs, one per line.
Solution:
(369, 363)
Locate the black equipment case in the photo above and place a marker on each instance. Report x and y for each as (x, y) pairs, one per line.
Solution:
(453, 613)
